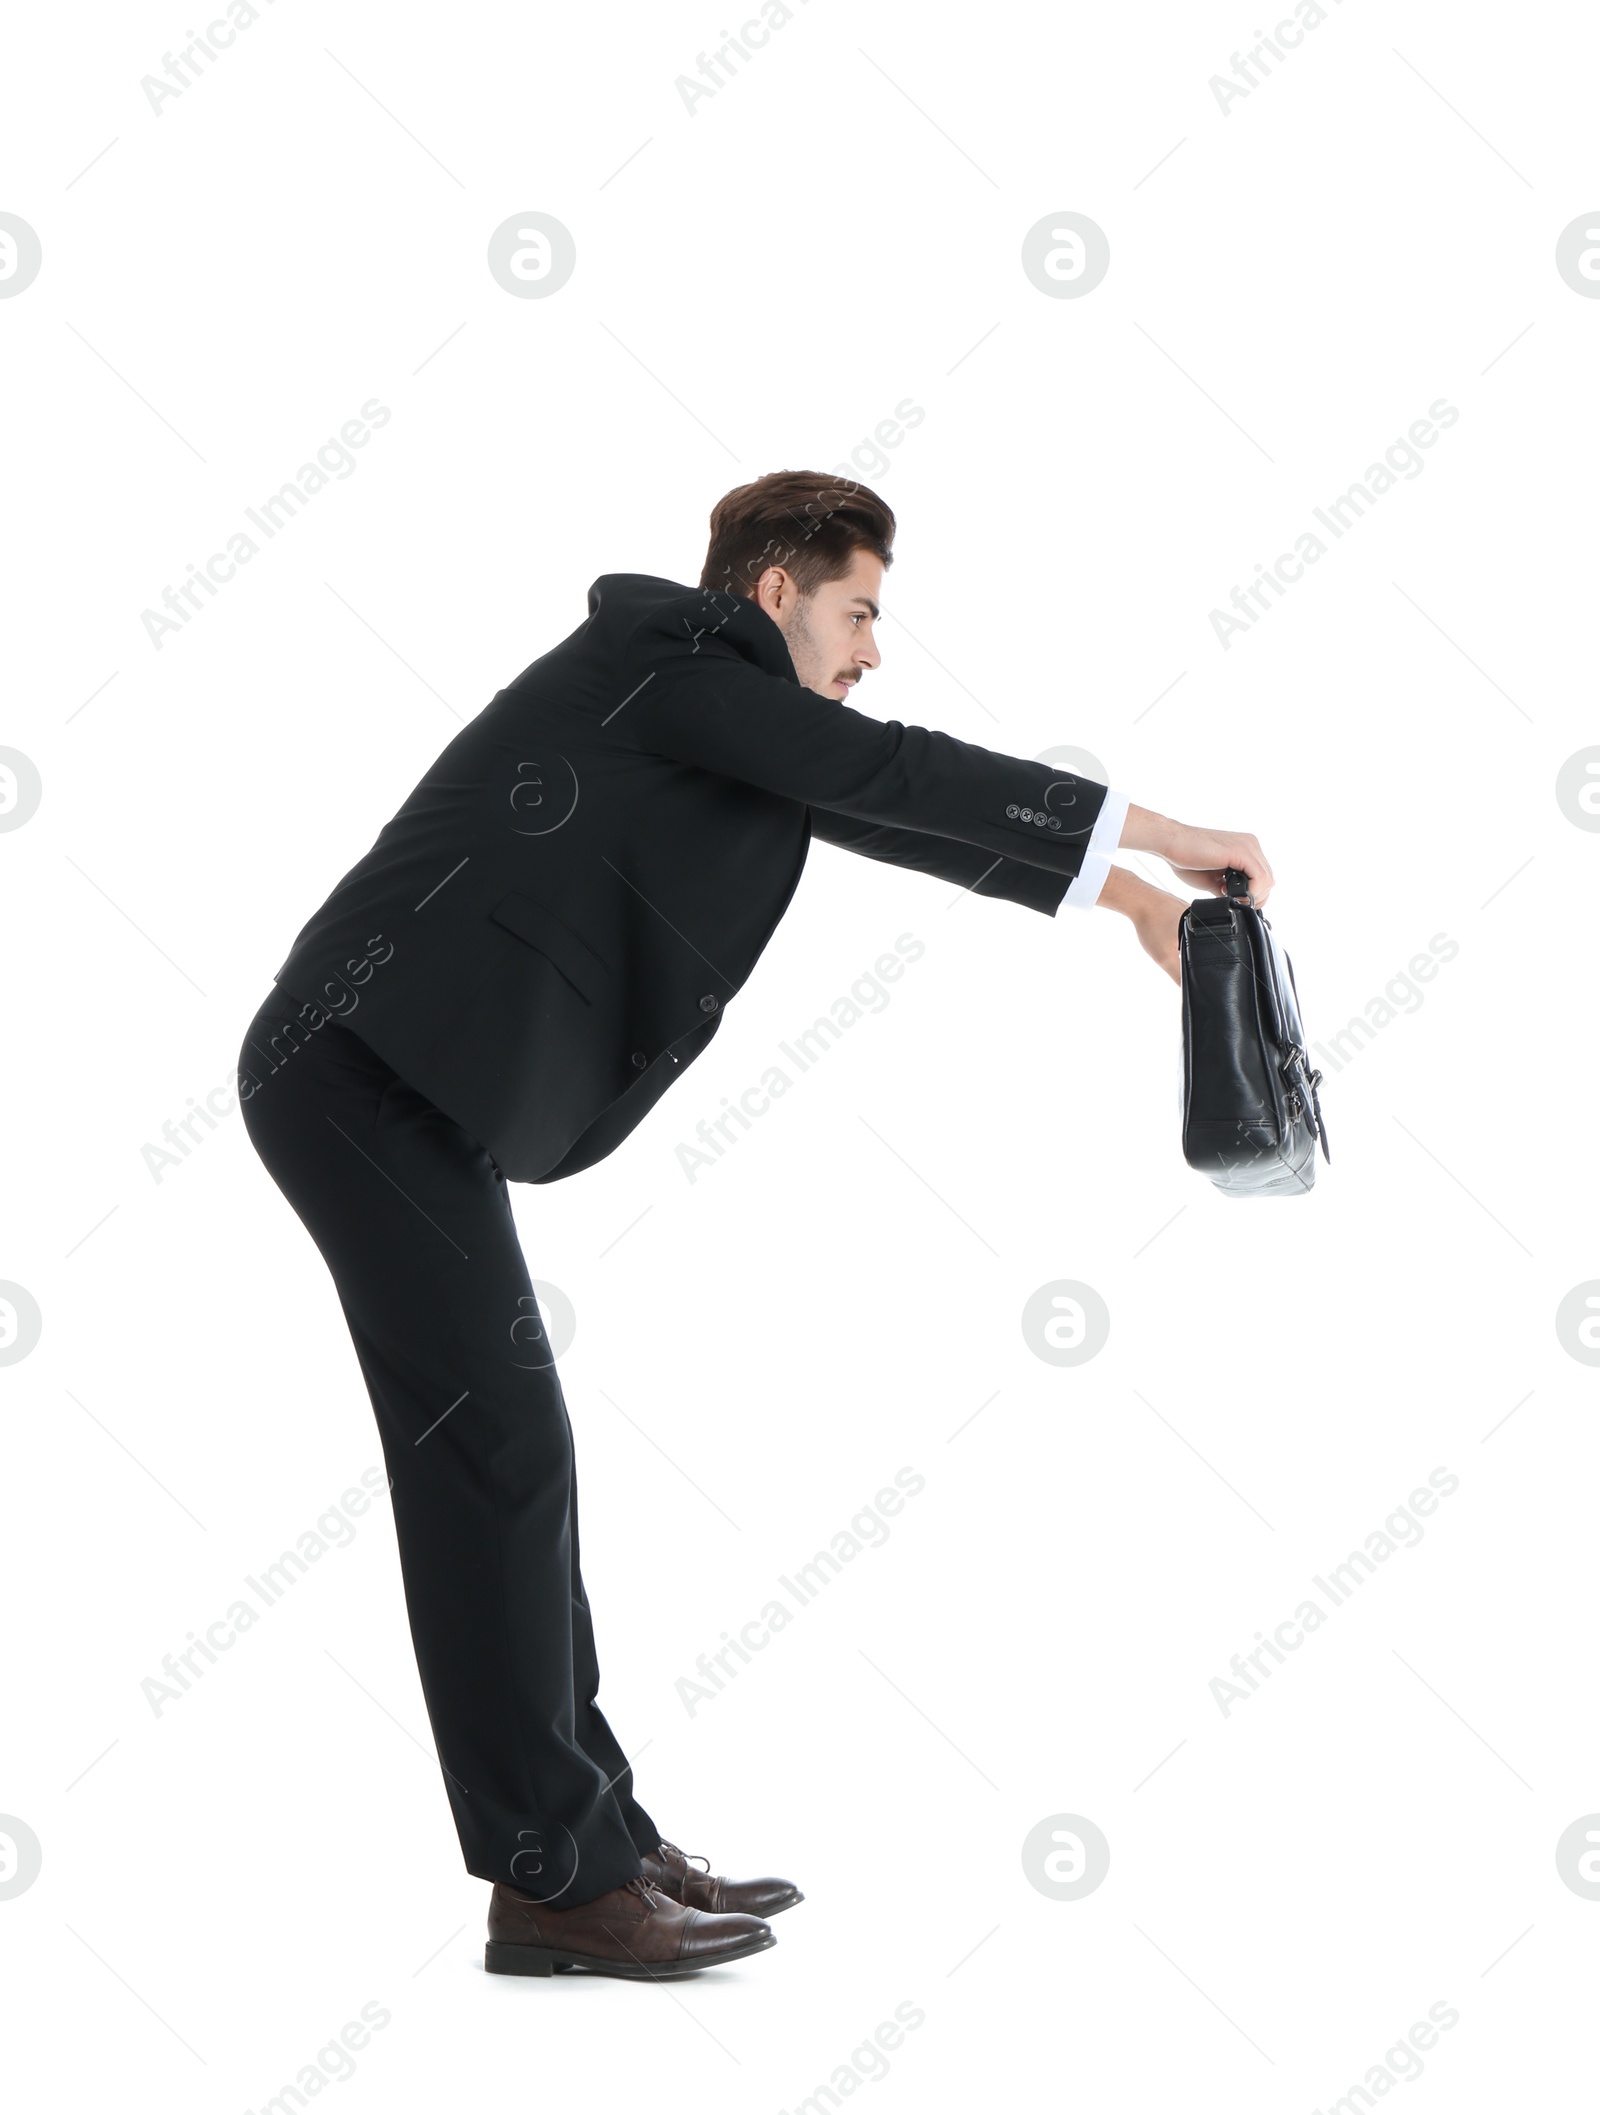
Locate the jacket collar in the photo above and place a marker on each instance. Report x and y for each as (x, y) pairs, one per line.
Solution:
(740, 623)
(746, 626)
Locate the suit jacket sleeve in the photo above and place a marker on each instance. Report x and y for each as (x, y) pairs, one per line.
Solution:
(984, 873)
(686, 693)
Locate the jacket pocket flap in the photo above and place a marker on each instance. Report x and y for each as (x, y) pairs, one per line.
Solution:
(542, 929)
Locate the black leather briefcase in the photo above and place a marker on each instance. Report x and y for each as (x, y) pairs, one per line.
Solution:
(1251, 1118)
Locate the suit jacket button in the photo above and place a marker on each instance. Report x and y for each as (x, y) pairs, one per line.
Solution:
(640, 1059)
(708, 1004)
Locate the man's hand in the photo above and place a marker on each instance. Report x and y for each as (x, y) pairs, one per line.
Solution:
(1156, 923)
(1154, 913)
(1197, 856)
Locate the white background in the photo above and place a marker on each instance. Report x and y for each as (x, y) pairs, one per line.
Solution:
(1291, 1885)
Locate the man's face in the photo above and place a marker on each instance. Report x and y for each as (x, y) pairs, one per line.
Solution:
(828, 634)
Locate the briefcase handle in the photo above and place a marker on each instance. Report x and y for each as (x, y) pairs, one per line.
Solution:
(1235, 882)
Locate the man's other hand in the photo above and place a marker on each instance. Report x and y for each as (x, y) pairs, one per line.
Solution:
(1154, 915)
(1156, 923)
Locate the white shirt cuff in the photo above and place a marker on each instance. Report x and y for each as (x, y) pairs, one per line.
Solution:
(1083, 891)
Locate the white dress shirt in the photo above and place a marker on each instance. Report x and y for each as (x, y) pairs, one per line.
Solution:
(1083, 891)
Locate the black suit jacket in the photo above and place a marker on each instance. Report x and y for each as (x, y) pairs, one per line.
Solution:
(546, 934)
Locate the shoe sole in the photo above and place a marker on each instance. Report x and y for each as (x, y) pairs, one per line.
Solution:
(504, 1957)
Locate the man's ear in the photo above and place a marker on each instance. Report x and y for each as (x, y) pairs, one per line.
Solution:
(774, 586)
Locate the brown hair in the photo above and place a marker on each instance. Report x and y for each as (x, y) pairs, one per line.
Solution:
(809, 523)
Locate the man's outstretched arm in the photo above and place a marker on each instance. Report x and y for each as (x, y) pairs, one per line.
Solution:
(687, 694)
(971, 867)
(1196, 856)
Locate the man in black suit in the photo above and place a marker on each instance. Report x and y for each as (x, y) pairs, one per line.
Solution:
(540, 942)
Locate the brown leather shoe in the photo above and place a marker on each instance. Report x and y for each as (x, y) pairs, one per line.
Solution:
(668, 1869)
(632, 1931)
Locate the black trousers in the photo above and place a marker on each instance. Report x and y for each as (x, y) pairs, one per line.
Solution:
(414, 1222)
